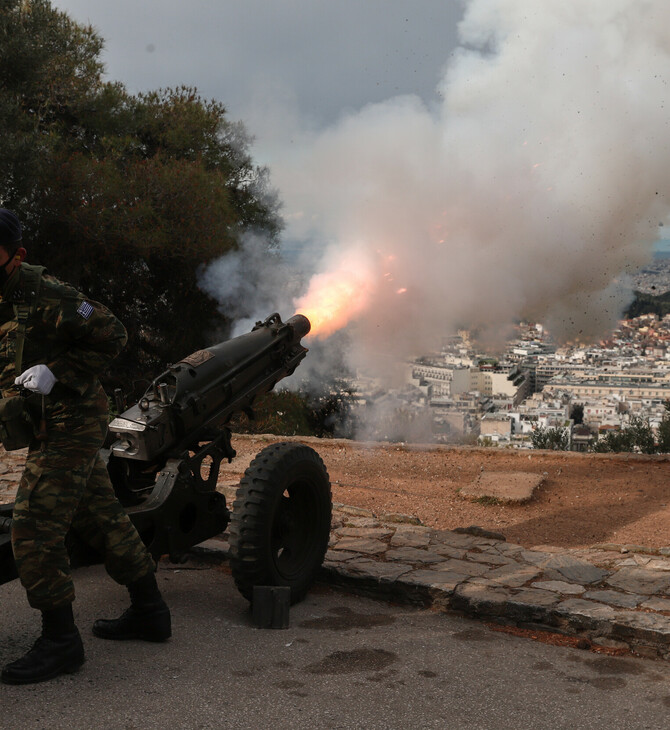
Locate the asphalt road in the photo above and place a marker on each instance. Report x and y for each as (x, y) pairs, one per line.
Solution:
(345, 662)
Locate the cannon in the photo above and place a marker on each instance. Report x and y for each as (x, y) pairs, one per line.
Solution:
(164, 454)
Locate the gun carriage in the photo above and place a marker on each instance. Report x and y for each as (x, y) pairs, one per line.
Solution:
(164, 454)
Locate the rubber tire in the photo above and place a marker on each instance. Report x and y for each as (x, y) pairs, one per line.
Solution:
(280, 525)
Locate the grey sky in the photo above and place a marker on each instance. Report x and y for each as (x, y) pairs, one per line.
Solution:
(316, 58)
(526, 190)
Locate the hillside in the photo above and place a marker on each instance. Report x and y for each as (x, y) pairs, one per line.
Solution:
(645, 303)
(585, 498)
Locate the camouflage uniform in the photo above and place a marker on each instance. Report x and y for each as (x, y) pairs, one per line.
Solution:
(65, 482)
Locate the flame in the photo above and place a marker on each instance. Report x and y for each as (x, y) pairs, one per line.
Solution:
(335, 298)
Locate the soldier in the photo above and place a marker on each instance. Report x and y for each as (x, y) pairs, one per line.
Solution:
(53, 343)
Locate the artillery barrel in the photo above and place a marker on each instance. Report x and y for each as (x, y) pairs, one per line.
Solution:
(205, 389)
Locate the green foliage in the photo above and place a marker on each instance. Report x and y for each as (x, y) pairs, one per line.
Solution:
(638, 437)
(487, 501)
(649, 304)
(643, 435)
(290, 413)
(329, 412)
(577, 413)
(283, 413)
(554, 438)
(125, 196)
(663, 434)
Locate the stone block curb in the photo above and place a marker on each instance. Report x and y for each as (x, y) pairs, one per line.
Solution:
(590, 594)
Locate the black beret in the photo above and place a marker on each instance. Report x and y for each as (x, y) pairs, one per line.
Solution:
(10, 228)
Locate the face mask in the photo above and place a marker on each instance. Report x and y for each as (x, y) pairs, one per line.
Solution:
(4, 276)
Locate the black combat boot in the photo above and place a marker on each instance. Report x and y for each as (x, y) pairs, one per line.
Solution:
(57, 651)
(148, 617)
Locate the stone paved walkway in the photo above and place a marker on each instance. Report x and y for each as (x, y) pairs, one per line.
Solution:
(616, 596)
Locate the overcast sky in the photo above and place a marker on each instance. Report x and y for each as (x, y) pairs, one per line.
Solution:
(529, 187)
(316, 59)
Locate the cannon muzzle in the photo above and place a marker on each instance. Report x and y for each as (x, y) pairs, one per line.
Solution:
(300, 324)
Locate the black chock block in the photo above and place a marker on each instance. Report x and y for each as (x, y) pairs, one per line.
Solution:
(270, 606)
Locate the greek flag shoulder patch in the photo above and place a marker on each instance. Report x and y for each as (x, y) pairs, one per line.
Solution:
(85, 310)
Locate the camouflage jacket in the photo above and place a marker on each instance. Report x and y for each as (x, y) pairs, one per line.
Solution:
(74, 336)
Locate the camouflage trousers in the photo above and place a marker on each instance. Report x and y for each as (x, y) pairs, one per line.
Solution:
(67, 485)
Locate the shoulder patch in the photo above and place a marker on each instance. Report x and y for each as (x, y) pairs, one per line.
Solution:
(85, 310)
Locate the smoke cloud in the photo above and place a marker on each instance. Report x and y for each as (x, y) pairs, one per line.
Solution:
(530, 188)
(248, 283)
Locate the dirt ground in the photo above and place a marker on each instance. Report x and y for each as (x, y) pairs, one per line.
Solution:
(585, 499)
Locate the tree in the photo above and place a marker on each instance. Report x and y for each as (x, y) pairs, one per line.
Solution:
(330, 412)
(638, 436)
(649, 304)
(301, 413)
(125, 196)
(663, 434)
(555, 438)
(281, 412)
(577, 413)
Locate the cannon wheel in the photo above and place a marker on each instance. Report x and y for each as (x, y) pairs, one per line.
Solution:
(280, 524)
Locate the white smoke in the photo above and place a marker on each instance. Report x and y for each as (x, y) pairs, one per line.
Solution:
(530, 189)
(250, 283)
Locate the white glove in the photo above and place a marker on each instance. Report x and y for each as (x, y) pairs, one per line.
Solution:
(38, 378)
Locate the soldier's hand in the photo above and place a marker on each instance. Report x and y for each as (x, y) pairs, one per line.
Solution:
(38, 378)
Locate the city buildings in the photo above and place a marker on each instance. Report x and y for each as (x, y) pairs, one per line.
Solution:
(582, 390)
